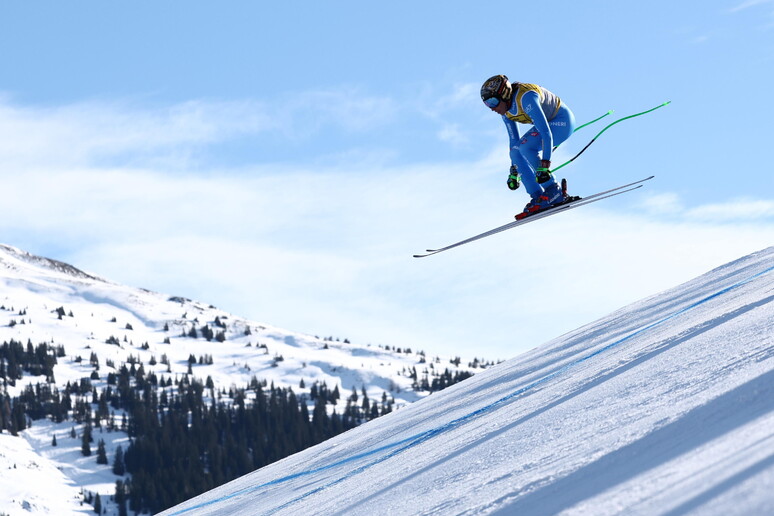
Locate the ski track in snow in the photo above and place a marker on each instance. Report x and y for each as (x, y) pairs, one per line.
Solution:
(682, 358)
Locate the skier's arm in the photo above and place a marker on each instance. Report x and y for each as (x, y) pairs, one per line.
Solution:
(513, 136)
(531, 103)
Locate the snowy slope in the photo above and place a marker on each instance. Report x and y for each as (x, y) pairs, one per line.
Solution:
(32, 484)
(663, 407)
(101, 309)
(140, 321)
(116, 322)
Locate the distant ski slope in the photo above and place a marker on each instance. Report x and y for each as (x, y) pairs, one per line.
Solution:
(116, 322)
(663, 407)
(101, 309)
(31, 484)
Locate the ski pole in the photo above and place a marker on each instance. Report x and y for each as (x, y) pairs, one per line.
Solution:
(605, 129)
(588, 123)
(595, 120)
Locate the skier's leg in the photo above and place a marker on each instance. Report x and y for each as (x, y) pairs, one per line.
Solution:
(562, 125)
(526, 155)
(526, 171)
(530, 145)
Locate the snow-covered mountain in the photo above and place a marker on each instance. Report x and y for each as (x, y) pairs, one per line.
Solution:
(98, 326)
(663, 407)
(96, 311)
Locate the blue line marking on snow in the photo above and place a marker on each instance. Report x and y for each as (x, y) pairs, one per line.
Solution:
(402, 445)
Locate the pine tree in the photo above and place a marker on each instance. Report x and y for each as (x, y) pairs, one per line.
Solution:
(366, 404)
(120, 498)
(334, 398)
(97, 504)
(85, 440)
(118, 462)
(101, 454)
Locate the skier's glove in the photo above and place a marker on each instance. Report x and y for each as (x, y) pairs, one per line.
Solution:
(513, 178)
(543, 173)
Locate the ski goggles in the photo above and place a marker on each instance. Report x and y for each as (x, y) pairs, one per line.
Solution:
(492, 102)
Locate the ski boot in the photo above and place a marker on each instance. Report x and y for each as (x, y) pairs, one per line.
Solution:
(552, 196)
(533, 206)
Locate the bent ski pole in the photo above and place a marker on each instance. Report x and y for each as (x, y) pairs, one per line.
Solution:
(588, 123)
(605, 129)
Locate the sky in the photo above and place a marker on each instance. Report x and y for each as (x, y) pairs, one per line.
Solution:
(284, 162)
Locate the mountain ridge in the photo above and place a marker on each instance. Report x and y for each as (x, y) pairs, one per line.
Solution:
(94, 328)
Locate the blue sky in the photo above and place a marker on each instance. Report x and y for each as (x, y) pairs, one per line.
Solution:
(284, 160)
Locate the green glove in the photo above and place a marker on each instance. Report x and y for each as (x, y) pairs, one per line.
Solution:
(543, 173)
(513, 178)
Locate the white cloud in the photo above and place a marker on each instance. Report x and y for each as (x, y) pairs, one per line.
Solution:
(80, 133)
(735, 210)
(747, 4)
(435, 99)
(461, 95)
(127, 131)
(441, 103)
(350, 108)
(452, 133)
(663, 203)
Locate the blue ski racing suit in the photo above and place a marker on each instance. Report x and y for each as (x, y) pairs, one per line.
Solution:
(552, 123)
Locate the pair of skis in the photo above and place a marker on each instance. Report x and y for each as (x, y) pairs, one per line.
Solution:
(554, 210)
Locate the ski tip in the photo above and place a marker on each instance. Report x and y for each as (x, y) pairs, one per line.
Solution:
(429, 252)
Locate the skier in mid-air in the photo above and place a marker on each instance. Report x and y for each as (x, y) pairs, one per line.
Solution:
(552, 123)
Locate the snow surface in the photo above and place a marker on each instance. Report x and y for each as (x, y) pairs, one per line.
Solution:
(32, 484)
(101, 309)
(32, 288)
(663, 407)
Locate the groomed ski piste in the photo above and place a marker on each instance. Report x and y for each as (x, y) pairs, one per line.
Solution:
(664, 407)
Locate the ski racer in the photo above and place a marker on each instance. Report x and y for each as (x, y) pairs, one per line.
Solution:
(552, 123)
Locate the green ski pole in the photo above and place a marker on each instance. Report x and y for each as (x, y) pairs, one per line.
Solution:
(589, 123)
(595, 120)
(605, 129)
